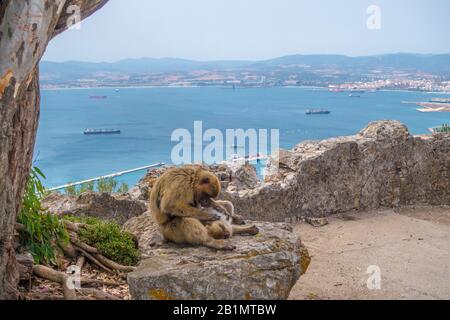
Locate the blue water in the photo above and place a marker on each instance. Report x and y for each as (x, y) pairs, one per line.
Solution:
(147, 117)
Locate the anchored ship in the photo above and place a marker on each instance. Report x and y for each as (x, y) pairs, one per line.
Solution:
(101, 131)
(317, 111)
(98, 97)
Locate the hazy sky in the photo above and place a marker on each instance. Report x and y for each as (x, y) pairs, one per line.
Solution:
(253, 29)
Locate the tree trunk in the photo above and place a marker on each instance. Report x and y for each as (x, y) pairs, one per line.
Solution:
(26, 27)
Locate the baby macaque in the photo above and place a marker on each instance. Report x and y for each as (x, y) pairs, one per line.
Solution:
(224, 228)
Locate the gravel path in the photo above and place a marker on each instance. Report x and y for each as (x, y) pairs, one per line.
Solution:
(411, 248)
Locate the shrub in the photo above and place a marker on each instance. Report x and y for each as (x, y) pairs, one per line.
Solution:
(87, 186)
(71, 190)
(42, 231)
(107, 185)
(443, 128)
(109, 239)
(123, 188)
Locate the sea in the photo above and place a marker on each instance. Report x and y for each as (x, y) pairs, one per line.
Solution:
(147, 117)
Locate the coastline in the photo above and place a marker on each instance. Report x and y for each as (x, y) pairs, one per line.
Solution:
(227, 86)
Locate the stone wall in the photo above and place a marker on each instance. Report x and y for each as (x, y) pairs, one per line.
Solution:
(382, 166)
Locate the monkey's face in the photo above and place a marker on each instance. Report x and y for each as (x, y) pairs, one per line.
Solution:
(208, 187)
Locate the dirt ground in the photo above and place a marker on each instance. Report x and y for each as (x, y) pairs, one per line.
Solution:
(410, 246)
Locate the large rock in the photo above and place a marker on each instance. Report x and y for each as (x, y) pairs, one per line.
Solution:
(145, 231)
(381, 166)
(141, 191)
(113, 207)
(243, 176)
(265, 266)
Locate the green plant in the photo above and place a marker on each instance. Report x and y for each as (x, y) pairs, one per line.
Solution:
(71, 190)
(109, 239)
(123, 188)
(42, 231)
(107, 185)
(443, 128)
(87, 186)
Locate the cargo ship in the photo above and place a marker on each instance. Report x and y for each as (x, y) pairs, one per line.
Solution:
(317, 111)
(101, 131)
(98, 97)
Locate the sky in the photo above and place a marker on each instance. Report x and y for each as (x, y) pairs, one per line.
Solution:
(254, 29)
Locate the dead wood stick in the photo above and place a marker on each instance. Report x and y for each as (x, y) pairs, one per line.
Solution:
(69, 250)
(73, 226)
(100, 295)
(56, 276)
(113, 265)
(95, 261)
(99, 282)
(74, 239)
(80, 262)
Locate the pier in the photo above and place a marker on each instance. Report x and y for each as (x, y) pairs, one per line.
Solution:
(112, 175)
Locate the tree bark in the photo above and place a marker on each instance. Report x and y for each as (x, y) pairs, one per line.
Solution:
(26, 27)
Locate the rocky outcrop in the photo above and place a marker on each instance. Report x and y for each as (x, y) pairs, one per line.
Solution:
(265, 266)
(381, 166)
(113, 207)
(145, 230)
(243, 177)
(141, 191)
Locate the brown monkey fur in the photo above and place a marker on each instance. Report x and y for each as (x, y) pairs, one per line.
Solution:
(175, 202)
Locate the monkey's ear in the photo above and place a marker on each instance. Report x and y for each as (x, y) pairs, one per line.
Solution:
(204, 181)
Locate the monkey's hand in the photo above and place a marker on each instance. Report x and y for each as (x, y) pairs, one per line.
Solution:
(188, 211)
(216, 205)
(211, 216)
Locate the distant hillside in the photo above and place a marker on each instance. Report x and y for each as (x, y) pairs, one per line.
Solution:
(400, 61)
(132, 66)
(311, 67)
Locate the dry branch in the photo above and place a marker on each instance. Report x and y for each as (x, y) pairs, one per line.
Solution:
(114, 265)
(99, 282)
(80, 262)
(74, 239)
(69, 250)
(73, 226)
(95, 261)
(56, 276)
